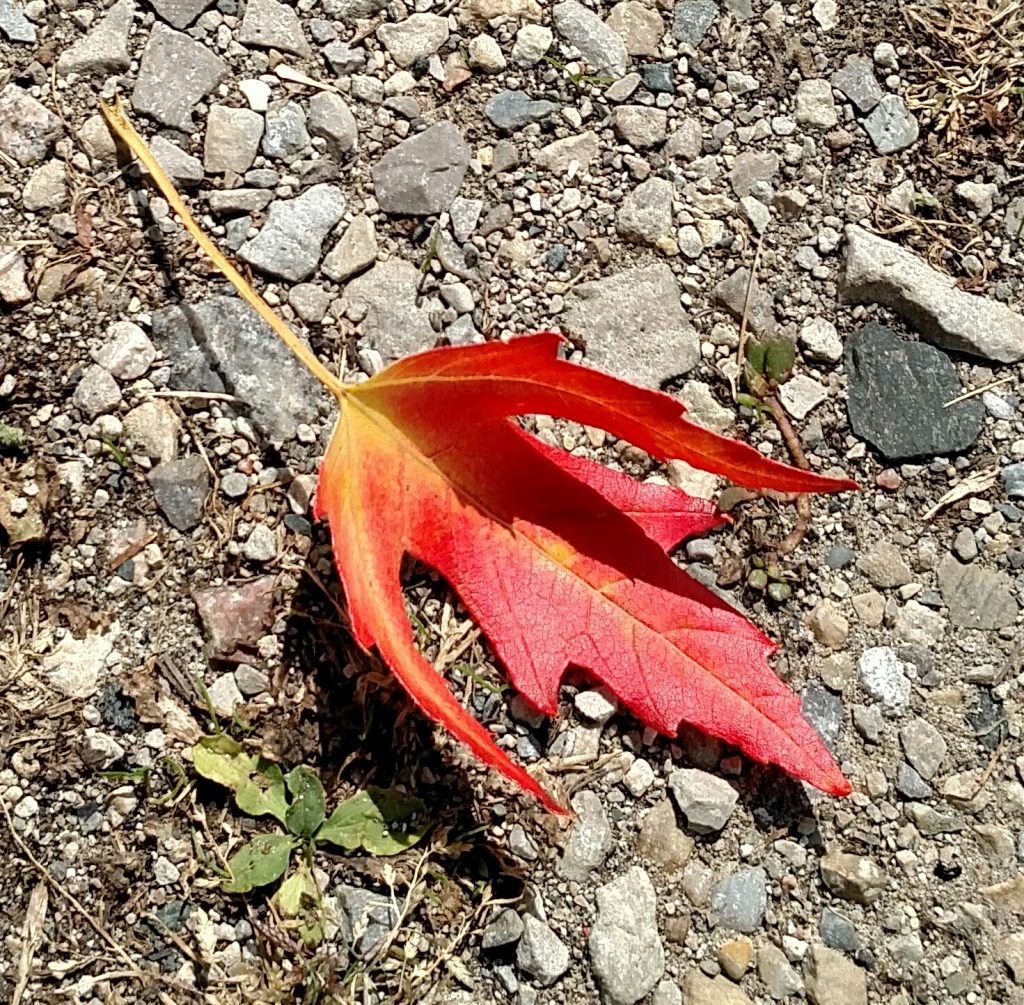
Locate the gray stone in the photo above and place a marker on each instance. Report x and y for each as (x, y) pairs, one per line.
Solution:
(776, 973)
(753, 168)
(182, 168)
(152, 429)
(232, 139)
(180, 13)
(368, 918)
(731, 294)
(801, 394)
(910, 784)
(634, 324)
(96, 392)
(354, 252)
(856, 79)
(891, 126)
(261, 544)
(965, 545)
(977, 597)
(896, 393)
(387, 298)
(352, 10)
(284, 134)
(1013, 480)
(290, 243)
(739, 901)
(640, 26)
(465, 215)
(640, 125)
(484, 53)
(978, 196)
(180, 489)
(343, 59)
(512, 110)
(531, 44)
(831, 979)
(581, 148)
(815, 106)
(272, 25)
(128, 353)
(541, 954)
(687, 141)
(701, 990)
(105, 48)
(821, 340)
(221, 345)
(331, 118)
(14, 24)
(13, 274)
(422, 175)
(667, 993)
(645, 216)
(99, 750)
(869, 722)
(590, 839)
(884, 566)
(505, 930)
(882, 675)
(28, 129)
(924, 747)
(175, 74)
(625, 948)
(251, 681)
(601, 47)
(838, 931)
(47, 188)
(419, 36)
(661, 840)
(225, 694)
(692, 19)
(852, 877)
(706, 800)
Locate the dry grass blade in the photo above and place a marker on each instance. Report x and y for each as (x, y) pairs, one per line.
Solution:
(31, 936)
(974, 484)
(974, 63)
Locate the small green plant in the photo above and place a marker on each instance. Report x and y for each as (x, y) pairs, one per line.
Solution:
(380, 821)
(579, 78)
(768, 576)
(12, 440)
(767, 365)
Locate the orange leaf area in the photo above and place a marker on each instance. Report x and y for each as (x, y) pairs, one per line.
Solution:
(559, 560)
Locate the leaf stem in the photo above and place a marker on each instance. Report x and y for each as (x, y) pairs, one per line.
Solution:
(119, 123)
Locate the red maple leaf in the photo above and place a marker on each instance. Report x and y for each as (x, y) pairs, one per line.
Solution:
(559, 560)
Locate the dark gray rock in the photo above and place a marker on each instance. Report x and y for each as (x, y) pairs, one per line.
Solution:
(387, 299)
(511, 110)
(180, 13)
(176, 73)
(896, 392)
(181, 488)
(223, 345)
(739, 901)
(856, 79)
(368, 918)
(691, 20)
(838, 932)
(910, 784)
(421, 175)
(1013, 480)
(505, 930)
(824, 711)
(891, 125)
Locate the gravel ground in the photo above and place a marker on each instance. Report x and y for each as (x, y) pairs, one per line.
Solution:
(396, 175)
